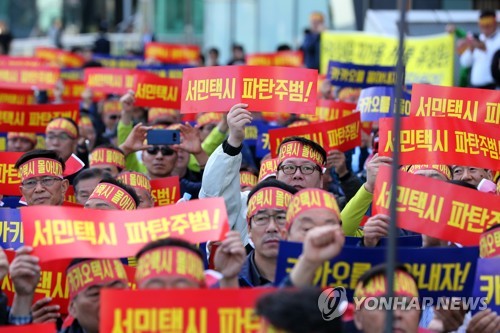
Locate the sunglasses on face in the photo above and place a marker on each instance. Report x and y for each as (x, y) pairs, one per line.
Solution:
(165, 151)
(114, 117)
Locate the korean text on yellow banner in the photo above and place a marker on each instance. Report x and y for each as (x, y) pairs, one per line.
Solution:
(428, 59)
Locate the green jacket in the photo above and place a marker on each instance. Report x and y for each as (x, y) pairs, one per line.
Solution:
(354, 211)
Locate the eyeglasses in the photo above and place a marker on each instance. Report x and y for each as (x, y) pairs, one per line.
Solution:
(60, 137)
(263, 219)
(459, 171)
(165, 151)
(306, 169)
(114, 117)
(45, 182)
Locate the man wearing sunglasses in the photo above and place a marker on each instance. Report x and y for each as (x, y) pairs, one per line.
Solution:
(159, 161)
(42, 182)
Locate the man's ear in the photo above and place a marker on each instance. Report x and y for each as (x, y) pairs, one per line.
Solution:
(72, 309)
(64, 186)
(357, 320)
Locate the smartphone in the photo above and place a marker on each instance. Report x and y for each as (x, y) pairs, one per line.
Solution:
(163, 137)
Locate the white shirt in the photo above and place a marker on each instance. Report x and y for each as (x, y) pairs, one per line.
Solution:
(481, 60)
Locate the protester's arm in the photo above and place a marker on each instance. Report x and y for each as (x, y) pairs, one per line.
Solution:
(211, 142)
(25, 274)
(229, 259)
(135, 142)
(466, 58)
(125, 123)
(216, 137)
(321, 244)
(221, 175)
(348, 181)
(356, 208)
(124, 128)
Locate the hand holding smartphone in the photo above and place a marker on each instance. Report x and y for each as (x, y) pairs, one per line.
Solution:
(163, 137)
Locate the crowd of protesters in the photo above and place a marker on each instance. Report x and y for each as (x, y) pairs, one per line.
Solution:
(210, 160)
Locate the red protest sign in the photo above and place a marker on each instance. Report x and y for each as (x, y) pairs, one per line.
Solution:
(172, 53)
(436, 208)
(218, 88)
(28, 77)
(284, 58)
(188, 310)
(154, 91)
(342, 134)
(428, 140)
(73, 165)
(21, 61)
(58, 57)
(17, 96)
(34, 118)
(52, 282)
(366, 126)
(38, 328)
(328, 110)
(477, 105)
(70, 195)
(110, 80)
(9, 177)
(165, 191)
(71, 232)
(73, 90)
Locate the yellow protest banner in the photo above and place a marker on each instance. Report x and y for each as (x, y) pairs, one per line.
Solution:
(428, 59)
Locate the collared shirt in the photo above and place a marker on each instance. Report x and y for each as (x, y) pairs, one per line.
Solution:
(250, 275)
(480, 60)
